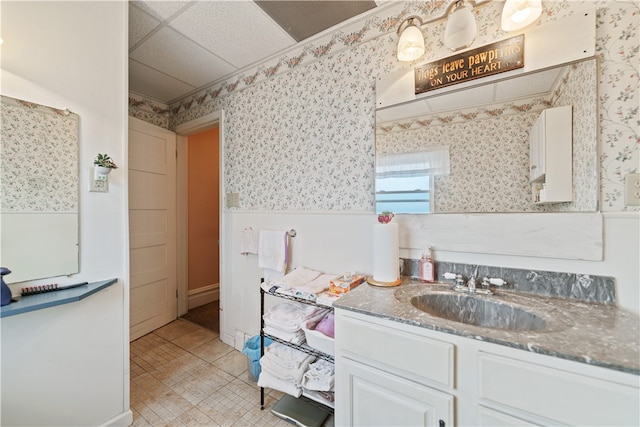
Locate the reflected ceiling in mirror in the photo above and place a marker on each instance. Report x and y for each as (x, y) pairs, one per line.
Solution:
(486, 130)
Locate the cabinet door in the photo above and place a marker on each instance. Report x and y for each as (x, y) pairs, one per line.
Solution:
(490, 418)
(377, 398)
(537, 149)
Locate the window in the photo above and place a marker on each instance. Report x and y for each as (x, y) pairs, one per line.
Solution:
(404, 181)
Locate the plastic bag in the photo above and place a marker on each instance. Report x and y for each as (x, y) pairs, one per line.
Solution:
(251, 349)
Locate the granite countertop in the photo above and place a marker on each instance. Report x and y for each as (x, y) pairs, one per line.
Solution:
(592, 333)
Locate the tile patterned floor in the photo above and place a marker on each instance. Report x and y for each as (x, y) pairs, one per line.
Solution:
(183, 375)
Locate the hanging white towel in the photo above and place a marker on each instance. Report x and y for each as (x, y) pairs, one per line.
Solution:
(249, 241)
(272, 250)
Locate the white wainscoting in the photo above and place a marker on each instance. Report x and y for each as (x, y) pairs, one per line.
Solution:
(337, 242)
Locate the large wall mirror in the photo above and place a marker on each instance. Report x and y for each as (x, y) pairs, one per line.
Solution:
(38, 191)
(472, 145)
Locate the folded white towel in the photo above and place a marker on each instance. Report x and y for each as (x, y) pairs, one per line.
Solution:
(297, 337)
(298, 277)
(272, 250)
(319, 284)
(291, 316)
(249, 239)
(319, 376)
(295, 292)
(284, 356)
(270, 381)
(295, 375)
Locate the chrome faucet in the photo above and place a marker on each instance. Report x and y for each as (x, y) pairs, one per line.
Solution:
(471, 286)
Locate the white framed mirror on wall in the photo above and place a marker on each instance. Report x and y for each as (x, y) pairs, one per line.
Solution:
(39, 195)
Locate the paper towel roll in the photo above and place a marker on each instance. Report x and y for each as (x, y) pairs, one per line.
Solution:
(386, 263)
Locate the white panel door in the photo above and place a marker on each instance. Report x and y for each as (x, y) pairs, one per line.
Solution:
(152, 227)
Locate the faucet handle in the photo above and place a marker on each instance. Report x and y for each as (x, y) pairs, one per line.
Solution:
(496, 281)
(486, 281)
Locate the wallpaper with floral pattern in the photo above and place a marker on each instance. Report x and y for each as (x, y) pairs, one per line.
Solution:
(38, 158)
(299, 129)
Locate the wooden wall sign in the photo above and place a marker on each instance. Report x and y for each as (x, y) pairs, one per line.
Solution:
(505, 55)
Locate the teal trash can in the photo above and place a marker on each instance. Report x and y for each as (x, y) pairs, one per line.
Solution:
(251, 349)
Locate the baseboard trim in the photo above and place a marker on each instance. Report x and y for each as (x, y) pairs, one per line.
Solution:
(123, 420)
(203, 295)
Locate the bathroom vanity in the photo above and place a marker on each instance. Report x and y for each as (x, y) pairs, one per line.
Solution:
(399, 365)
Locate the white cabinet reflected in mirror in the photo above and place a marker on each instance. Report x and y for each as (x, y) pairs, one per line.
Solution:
(39, 203)
(485, 131)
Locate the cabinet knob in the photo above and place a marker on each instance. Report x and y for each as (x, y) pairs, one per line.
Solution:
(441, 423)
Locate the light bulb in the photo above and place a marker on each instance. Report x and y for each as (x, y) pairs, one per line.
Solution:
(461, 29)
(518, 14)
(411, 43)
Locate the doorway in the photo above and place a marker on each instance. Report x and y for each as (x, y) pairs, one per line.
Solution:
(200, 186)
(203, 229)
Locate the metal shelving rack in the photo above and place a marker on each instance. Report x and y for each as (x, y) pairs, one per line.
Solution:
(303, 348)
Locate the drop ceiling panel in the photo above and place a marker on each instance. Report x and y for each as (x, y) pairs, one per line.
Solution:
(147, 81)
(467, 98)
(536, 84)
(294, 16)
(238, 31)
(140, 24)
(161, 9)
(179, 57)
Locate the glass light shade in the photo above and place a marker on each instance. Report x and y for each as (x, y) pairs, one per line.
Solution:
(461, 29)
(518, 14)
(410, 44)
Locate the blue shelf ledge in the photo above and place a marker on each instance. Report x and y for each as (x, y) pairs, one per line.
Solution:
(51, 299)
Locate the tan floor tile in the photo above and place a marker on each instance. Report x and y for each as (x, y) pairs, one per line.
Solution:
(195, 417)
(181, 376)
(212, 350)
(234, 363)
(195, 338)
(176, 329)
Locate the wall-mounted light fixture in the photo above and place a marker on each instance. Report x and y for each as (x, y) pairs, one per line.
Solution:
(411, 41)
(461, 29)
(518, 14)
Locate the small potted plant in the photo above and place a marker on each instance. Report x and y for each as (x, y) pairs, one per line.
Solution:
(103, 164)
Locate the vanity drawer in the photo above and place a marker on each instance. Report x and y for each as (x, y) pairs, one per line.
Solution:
(555, 394)
(409, 354)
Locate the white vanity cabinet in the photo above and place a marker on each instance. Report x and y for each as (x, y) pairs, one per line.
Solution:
(551, 156)
(391, 373)
(388, 377)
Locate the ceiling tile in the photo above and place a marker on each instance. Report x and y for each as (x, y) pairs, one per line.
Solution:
(140, 24)
(161, 9)
(146, 81)
(180, 58)
(238, 31)
(456, 100)
(535, 84)
(294, 16)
